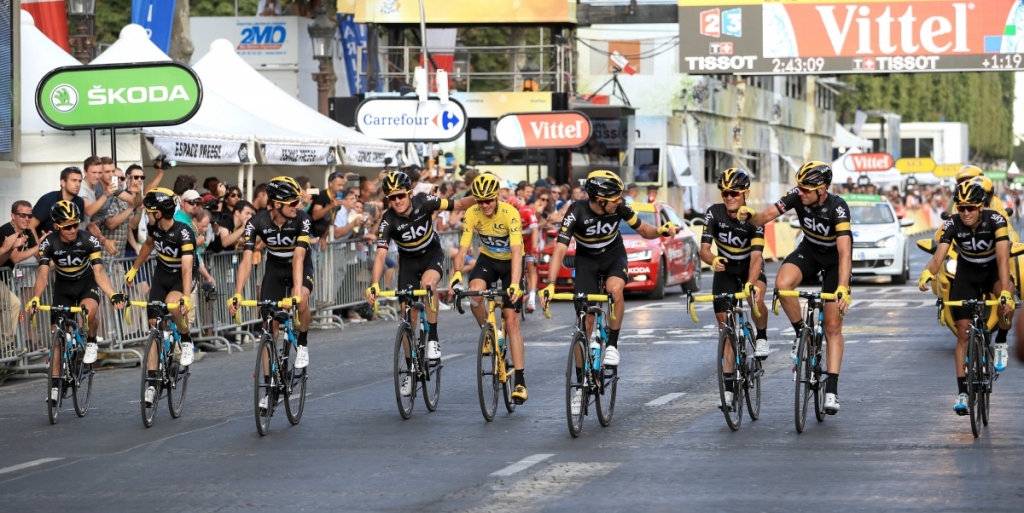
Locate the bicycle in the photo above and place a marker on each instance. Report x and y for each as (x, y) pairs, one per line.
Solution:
(492, 366)
(171, 379)
(736, 343)
(980, 363)
(274, 378)
(810, 363)
(68, 348)
(411, 360)
(587, 380)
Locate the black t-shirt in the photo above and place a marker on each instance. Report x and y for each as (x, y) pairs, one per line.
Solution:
(42, 209)
(320, 225)
(73, 259)
(595, 233)
(735, 239)
(414, 235)
(821, 224)
(8, 229)
(978, 245)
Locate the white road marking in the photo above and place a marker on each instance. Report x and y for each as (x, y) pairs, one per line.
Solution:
(27, 464)
(665, 399)
(850, 342)
(677, 342)
(644, 332)
(557, 480)
(556, 328)
(884, 340)
(521, 465)
(450, 356)
(548, 344)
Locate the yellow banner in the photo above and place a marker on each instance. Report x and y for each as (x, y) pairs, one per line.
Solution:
(460, 11)
(922, 165)
(496, 105)
(946, 170)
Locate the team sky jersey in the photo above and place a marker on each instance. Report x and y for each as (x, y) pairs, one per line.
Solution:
(497, 234)
(529, 220)
(735, 239)
(414, 235)
(976, 246)
(281, 241)
(71, 259)
(595, 232)
(821, 224)
(172, 244)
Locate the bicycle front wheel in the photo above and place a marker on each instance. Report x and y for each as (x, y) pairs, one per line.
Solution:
(56, 380)
(177, 385)
(404, 369)
(975, 383)
(295, 394)
(988, 377)
(152, 351)
(732, 407)
(509, 385)
(82, 384)
(431, 375)
(264, 389)
(605, 400)
(818, 384)
(752, 380)
(487, 382)
(577, 396)
(802, 376)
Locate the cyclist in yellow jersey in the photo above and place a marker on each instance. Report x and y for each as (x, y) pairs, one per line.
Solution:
(501, 258)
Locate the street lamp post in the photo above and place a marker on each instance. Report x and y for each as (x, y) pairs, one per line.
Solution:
(321, 33)
(83, 41)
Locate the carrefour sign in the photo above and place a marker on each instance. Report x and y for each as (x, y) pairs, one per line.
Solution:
(119, 95)
(409, 120)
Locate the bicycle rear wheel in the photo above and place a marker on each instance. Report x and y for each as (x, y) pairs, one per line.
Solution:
(177, 385)
(82, 384)
(974, 382)
(264, 390)
(487, 372)
(752, 380)
(733, 409)
(509, 385)
(576, 384)
(295, 393)
(818, 386)
(430, 375)
(803, 381)
(605, 400)
(988, 377)
(152, 350)
(53, 407)
(404, 369)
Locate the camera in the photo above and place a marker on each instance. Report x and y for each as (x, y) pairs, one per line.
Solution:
(163, 162)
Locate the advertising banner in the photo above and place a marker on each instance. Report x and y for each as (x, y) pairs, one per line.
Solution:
(846, 36)
(300, 155)
(869, 161)
(461, 11)
(368, 158)
(202, 151)
(497, 104)
(156, 16)
(259, 40)
(568, 129)
(118, 95)
(410, 120)
(946, 170)
(353, 37)
(920, 165)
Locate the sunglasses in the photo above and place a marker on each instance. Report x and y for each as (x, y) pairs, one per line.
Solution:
(233, 195)
(966, 208)
(197, 202)
(542, 199)
(398, 197)
(293, 203)
(138, 177)
(22, 215)
(484, 201)
(731, 194)
(807, 190)
(70, 227)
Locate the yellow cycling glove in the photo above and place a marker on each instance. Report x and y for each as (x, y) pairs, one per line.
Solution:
(716, 260)
(514, 292)
(235, 300)
(372, 291)
(456, 278)
(129, 277)
(745, 210)
(667, 230)
(187, 302)
(32, 304)
(1008, 297)
(845, 291)
(926, 275)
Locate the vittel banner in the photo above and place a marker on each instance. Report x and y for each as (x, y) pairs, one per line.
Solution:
(844, 36)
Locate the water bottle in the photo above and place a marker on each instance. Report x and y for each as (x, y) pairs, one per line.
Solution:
(501, 338)
(595, 350)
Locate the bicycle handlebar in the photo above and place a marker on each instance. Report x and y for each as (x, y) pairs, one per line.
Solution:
(287, 302)
(406, 294)
(144, 304)
(707, 298)
(973, 302)
(60, 309)
(569, 296)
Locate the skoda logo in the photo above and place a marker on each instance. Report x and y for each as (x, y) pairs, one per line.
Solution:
(64, 98)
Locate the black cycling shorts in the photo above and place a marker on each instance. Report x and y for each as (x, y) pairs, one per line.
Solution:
(411, 269)
(611, 263)
(165, 282)
(277, 282)
(731, 281)
(812, 261)
(492, 271)
(73, 292)
(972, 281)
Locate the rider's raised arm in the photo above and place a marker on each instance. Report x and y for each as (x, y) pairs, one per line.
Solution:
(790, 201)
(248, 246)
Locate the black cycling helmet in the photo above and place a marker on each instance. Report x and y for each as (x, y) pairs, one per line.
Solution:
(603, 185)
(396, 181)
(734, 179)
(65, 213)
(970, 193)
(160, 200)
(814, 174)
(283, 189)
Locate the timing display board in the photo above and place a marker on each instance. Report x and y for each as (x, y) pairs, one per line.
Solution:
(779, 37)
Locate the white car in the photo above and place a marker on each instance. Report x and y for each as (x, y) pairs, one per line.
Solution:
(880, 247)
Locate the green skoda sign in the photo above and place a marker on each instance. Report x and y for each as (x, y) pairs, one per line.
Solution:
(119, 95)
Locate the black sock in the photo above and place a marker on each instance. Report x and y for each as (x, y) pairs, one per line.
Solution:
(92, 340)
(797, 326)
(432, 331)
(613, 338)
(761, 334)
(302, 338)
(521, 377)
(185, 337)
(1001, 336)
(729, 380)
(579, 374)
(832, 383)
(408, 363)
(961, 385)
(151, 374)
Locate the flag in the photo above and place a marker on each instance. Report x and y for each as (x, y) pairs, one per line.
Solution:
(157, 17)
(51, 19)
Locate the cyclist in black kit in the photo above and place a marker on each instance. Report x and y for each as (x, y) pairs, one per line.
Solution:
(827, 246)
(75, 255)
(981, 238)
(409, 223)
(176, 269)
(739, 260)
(285, 229)
(594, 222)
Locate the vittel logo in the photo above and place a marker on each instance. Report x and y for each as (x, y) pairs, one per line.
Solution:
(880, 28)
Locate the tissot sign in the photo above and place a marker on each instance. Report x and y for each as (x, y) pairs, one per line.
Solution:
(869, 161)
(410, 120)
(844, 36)
(119, 95)
(543, 130)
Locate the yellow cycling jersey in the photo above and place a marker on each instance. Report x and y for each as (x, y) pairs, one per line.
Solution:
(497, 234)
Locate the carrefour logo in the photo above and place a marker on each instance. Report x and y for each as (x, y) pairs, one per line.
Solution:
(64, 98)
(408, 119)
(268, 37)
(446, 120)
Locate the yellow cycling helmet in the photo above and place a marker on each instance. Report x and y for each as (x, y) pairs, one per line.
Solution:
(967, 172)
(603, 185)
(985, 182)
(485, 187)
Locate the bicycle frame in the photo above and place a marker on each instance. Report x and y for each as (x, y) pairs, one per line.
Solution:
(494, 320)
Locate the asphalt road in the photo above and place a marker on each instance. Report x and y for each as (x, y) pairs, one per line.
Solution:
(896, 444)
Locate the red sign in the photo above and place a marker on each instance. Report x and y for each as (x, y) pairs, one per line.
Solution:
(564, 129)
(711, 23)
(869, 162)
